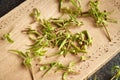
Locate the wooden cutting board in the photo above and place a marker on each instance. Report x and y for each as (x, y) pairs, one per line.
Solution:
(18, 19)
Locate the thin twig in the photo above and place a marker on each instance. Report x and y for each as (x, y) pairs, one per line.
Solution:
(31, 73)
(108, 34)
(113, 78)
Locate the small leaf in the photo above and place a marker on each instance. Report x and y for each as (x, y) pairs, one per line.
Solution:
(116, 72)
(20, 53)
(39, 52)
(62, 44)
(27, 62)
(114, 68)
(83, 58)
(43, 68)
(71, 64)
(7, 37)
(36, 14)
(51, 66)
(64, 76)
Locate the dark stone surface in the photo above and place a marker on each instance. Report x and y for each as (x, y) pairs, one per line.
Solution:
(7, 5)
(103, 74)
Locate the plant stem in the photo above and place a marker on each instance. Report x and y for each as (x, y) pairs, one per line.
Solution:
(60, 4)
(85, 14)
(79, 50)
(108, 34)
(31, 73)
(113, 78)
(47, 71)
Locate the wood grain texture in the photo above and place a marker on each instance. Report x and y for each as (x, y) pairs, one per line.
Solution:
(18, 19)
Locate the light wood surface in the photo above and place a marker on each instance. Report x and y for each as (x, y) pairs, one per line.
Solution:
(18, 19)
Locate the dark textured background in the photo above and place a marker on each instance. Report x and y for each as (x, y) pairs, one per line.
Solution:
(103, 74)
(7, 5)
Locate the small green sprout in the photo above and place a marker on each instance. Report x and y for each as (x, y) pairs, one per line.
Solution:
(51, 65)
(66, 69)
(7, 37)
(101, 18)
(27, 60)
(75, 10)
(116, 73)
(36, 14)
